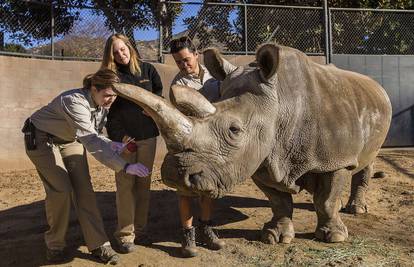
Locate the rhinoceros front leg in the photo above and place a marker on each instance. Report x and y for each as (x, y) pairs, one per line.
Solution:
(359, 186)
(327, 202)
(280, 227)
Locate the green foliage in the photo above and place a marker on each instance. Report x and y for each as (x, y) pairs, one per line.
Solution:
(124, 16)
(353, 32)
(27, 21)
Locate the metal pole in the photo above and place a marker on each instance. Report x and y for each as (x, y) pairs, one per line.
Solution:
(245, 27)
(330, 35)
(1, 40)
(52, 31)
(327, 34)
(163, 12)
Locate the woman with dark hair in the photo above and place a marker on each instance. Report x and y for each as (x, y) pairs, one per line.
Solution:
(56, 137)
(128, 123)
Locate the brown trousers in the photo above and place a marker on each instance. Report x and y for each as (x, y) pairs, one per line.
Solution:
(64, 171)
(133, 193)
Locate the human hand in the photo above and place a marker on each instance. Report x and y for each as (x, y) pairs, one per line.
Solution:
(137, 169)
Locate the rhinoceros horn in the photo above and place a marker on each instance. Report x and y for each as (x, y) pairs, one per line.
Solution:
(175, 127)
(190, 102)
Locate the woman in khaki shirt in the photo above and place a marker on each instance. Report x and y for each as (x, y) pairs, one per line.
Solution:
(62, 130)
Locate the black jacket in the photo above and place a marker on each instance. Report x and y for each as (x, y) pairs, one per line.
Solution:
(126, 117)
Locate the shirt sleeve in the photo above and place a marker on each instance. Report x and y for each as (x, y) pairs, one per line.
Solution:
(77, 113)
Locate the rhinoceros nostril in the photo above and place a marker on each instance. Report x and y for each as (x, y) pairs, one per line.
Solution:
(195, 178)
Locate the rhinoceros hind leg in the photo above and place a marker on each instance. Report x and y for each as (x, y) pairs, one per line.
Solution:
(359, 186)
(327, 201)
(280, 228)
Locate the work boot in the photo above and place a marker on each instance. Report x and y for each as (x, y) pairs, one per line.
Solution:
(126, 247)
(106, 254)
(188, 245)
(206, 235)
(55, 255)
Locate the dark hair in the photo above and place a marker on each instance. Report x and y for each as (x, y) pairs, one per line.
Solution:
(178, 44)
(102, 79)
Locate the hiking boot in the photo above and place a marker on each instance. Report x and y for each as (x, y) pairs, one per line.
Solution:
(142, 238)
(126, 247)
(188, 245)
(206, 235)
(106, 254)
(55, 255)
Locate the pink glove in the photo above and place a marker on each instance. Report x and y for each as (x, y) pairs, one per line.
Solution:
(137, 169)
(117, 147)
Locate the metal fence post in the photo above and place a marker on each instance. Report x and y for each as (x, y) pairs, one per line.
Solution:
(1, 40)
(245, 28)
(327, 32)
(330, 34)
(52, 31)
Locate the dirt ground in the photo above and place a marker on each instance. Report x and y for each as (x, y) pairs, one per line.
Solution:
(383, 237)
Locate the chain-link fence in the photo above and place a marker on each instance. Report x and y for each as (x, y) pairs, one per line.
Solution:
(71, 32)
(370, 31)
(38, 29)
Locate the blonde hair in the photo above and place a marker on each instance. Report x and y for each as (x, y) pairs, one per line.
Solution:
(108, 61)
(102, 79)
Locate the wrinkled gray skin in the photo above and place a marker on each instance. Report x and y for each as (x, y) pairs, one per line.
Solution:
(288, 123)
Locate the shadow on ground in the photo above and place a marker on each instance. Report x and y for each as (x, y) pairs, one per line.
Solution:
(23, 226)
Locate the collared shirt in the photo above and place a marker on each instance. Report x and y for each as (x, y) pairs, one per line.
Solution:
(73, 115)
(204, 83)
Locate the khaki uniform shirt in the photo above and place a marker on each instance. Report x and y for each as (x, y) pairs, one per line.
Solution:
(204, 83)
(73, 115)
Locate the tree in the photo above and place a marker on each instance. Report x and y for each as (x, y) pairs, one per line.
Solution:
(125, 16)
(31, 21)
(303, 29)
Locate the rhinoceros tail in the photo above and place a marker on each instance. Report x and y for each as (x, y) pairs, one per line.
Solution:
(379, 174)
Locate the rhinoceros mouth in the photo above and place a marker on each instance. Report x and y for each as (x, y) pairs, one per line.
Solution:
(201, 184)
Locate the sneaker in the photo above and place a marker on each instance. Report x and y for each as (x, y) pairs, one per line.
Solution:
(206, 235)
(188, 245)
(106, 254)
(55, 255)
(126, 247)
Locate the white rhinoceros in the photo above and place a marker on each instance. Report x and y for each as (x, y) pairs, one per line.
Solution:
(289, 123)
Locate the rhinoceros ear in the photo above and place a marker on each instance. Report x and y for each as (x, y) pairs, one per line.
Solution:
(267, 57)
(216, 64)
(190, 102)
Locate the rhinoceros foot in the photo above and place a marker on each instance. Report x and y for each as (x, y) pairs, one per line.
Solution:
(332, 232)
(356, 207)
(279, 232)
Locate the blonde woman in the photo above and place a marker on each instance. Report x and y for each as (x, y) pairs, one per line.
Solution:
(128, 123)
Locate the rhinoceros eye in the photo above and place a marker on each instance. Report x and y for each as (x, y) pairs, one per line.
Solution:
(234, 129)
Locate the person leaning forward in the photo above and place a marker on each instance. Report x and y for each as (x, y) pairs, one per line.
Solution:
(56, 137)
(195, 75)
(128, 123)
